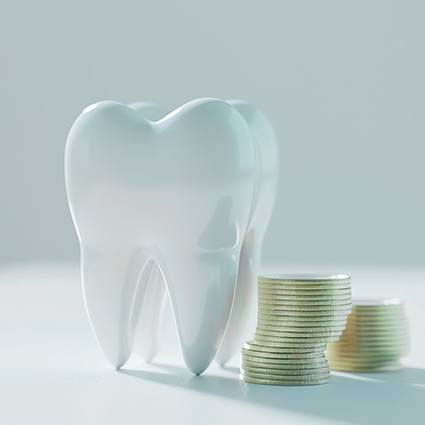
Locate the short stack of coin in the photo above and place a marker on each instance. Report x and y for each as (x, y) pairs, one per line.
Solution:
(375, 339)
(297, 316)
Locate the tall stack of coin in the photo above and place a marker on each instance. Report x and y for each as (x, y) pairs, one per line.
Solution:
(297, 316)
(375, 339)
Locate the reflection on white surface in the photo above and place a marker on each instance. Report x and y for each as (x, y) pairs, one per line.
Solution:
(53, 372)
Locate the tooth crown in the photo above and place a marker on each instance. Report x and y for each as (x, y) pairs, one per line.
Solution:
(114, 156)
(175, 193)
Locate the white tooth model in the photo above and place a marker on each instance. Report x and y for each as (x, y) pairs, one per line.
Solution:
(168, 201)
(244, 305)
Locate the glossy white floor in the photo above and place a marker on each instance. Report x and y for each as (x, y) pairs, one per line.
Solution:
(52, 372)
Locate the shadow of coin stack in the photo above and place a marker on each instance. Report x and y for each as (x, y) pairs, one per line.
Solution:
(375, 339)
(297, 316)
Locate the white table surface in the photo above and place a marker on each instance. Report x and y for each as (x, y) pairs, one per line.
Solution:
(52, 372)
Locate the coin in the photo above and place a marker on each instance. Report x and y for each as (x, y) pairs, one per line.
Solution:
(299, 343)
(296, 283)
(305, 283)
(372, 339)
(365, 353)
(289, 372)
(287, 363)
(306, 368)
(300, 315)
(377, 322)
(274, 368)
(373, 330)
(290, 323)
(296, 278)
(304, 292)
(306, 334)
(376, 359)
(366, 311)
(258, 359)
(377, 315)
(300, 362)
(260, 375)
(343, 308)
(250, 380)
(295, 340)
(307, 303)
(347, 367)
(269, 354)
(295, 310)
(351, 346)
(365, 303)
(364, 345)
(351, 334)
(331, 280)
(378, 310)
(365, 341)
(290, 331)
(289, 348)
(305, 297)
(306, 289)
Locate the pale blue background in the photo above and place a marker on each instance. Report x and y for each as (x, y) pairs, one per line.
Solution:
(342, 81)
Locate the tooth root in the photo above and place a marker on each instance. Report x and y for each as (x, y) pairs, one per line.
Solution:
(151, 316)
(201, 296)
(110, 280)
(239, 326)
(149, 324)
